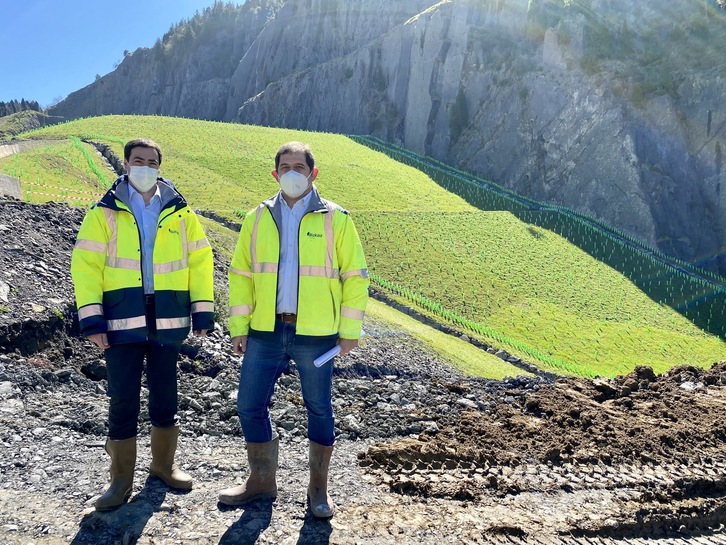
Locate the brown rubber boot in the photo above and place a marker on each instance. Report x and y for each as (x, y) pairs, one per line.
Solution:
(163, 447)
(261, 483)
(321, 504)
(123, 462)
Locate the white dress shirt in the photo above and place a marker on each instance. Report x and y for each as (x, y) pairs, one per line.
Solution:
(287, 284)
(147, 218)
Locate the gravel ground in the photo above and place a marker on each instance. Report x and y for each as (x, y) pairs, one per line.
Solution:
(423, 454)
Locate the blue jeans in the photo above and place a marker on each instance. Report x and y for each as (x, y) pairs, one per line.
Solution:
(267, 356)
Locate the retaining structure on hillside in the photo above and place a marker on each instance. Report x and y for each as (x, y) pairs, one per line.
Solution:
(10, 187)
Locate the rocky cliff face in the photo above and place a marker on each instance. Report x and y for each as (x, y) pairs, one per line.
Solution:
(305, 35)
(187, 74)
(557, 102)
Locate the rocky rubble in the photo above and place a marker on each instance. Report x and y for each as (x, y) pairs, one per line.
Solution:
(424, 455)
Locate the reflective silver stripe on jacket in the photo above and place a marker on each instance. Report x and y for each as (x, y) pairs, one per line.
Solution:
(317, 270)
(173, 323)
(264, 267)
(352, 313)
(123, 263)
(112, 259)
(330, 243)
(91, 246)
(363, 273)
(257, 266)
(241, 310)
(253, 239)
(203, 306)
(90, 310)
(122, 324)
(179, 264)
(240, 272)
(198, 244)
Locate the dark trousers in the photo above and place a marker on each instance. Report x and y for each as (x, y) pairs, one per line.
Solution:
(125, 365)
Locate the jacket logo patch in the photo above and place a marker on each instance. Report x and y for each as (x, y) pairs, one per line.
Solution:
(173, 232)
(314, 235)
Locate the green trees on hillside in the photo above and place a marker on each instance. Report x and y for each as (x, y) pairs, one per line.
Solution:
(184, 36)
(13, 107)
(640, 58)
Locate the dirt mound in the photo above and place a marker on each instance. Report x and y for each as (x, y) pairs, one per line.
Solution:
(657, 435)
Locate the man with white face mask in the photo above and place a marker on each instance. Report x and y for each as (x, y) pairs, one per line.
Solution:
(142, 270)
(298, 287)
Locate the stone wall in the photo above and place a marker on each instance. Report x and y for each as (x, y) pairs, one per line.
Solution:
(10, 187)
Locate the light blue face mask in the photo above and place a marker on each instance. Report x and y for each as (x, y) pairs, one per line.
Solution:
(294, 184)
(143, 178)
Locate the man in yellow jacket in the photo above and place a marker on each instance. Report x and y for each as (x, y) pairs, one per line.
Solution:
(298, 287)
(143, 276)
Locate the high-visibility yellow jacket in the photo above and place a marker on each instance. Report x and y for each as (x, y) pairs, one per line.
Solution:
(332, 276)
(107, 270)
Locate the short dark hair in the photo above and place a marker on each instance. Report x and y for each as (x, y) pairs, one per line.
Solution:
(141, 143)
(295, 147)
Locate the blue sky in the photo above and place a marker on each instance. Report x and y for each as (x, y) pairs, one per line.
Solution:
(50, 48)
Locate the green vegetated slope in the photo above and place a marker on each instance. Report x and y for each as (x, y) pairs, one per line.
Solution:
(227, 167)
(569, 296)
(18, 122)
(531, 290)
(67, 170)
(655, 310)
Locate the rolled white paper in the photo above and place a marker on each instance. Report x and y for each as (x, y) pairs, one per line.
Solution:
(330, 354)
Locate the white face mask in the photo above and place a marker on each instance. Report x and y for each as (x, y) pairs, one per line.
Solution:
(294, 184)
(143, 178)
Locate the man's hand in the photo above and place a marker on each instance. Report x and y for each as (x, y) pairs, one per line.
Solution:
(100, 340)
(346, 345)
(239, 344)
(200, 332)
